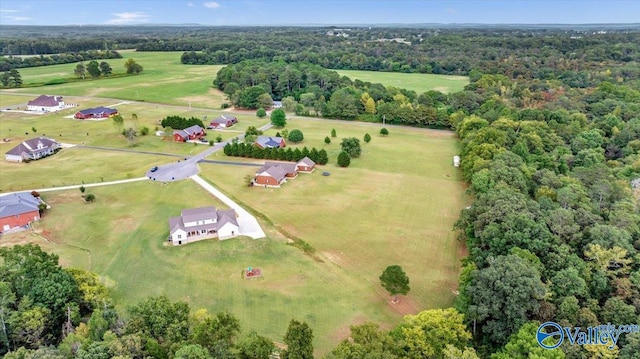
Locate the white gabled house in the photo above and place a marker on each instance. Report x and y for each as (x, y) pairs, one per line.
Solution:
(32, 149)
(196, 224)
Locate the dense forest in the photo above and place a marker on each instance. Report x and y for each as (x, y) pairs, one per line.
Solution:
(550, 139)
(15, 62)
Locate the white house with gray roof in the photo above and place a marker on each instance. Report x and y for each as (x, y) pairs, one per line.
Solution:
(44, 103)
(196, 224)
(32, 149)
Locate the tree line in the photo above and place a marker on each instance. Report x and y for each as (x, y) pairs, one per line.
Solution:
(241, 149)
(15, 62)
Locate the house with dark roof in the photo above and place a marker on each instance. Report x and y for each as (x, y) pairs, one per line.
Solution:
(97, 112)
(44, 103)
(194, 132)
(196, 224)
(270, 142)
(223, 121)
(18, 210)
(32, 149)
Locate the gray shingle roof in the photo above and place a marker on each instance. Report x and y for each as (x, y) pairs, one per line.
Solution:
(31, 145)
(45, 101)
(267, 141)
(307, 162)
(198, 214)
(276, 172)
(195, 214)
(18, 203)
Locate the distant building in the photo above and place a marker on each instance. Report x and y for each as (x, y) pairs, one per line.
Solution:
(32, 149)
(223, 121)
(18, 210)
(276, 104)
(196, 224)
(44, 103)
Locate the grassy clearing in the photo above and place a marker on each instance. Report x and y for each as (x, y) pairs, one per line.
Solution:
(417, 82)
(129, 248)
(164, 80)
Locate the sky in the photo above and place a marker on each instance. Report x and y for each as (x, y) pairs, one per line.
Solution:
(316, 12)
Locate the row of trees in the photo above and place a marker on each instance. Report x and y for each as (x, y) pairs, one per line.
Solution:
(241, 149)
(15, 62)
(93, 69)
(180, 123)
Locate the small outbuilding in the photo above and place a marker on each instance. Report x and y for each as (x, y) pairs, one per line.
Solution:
(456, 161)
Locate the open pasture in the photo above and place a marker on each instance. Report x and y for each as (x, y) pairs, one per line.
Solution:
(417, 82)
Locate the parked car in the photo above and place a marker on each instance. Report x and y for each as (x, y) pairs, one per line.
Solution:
(154, 168)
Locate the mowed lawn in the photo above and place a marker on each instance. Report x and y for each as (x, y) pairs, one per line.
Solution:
(122, 236)
(396, 204)
(164, 80)
(417, 82)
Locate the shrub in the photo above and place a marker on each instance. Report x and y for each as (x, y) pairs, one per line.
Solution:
(333, 132)
(89, 198)
(384, 131)
(343, 159)
(327, 140)
(219, 138)
(144, 131)
(367, 138)
(261, 113)
(296, 136)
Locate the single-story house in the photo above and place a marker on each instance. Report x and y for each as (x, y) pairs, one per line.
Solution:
(18, 210)
(305, 165)
(273, 174)
(223, 121)
(196, 224)
(44, 103)
(270, 142)
(98, 112)
(32, 149)
(270, 177)
(194, 132)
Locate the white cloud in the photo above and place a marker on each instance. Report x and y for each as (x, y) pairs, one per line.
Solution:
(18, 18)
(7, 10)
(123, 18)
(190, 4)
(211, 5)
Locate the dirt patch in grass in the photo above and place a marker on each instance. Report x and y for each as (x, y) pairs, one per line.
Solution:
(345, 331)
(405, 305)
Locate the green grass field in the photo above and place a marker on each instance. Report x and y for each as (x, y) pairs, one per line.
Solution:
(163, 80)
(396, 204)
(417, 82)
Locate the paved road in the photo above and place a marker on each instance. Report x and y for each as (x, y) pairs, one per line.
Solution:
(86, 185)
(247, 223)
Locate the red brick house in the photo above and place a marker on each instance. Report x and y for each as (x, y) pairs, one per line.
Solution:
(194, 132)
(98, 112)
(223, 121)
(270, 142)
(272, 176)
(18, 210)
(305, 165)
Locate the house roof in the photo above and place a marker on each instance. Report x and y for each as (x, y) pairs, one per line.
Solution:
(98, 111)
(198, 214)
(224, 118)
(276, 172)
(268, 141)
(18, 203)
(289, 167)
(307, 162)
(45, 101)
(31, 145)
(193, 129)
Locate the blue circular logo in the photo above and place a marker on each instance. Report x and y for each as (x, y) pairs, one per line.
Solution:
(550, 335)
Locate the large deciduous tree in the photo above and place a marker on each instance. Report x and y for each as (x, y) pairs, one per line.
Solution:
(105, 68)
(503, 296)
(395, 281)
(132, 67)
(427, 334)
(278, 118)
(93, 68)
